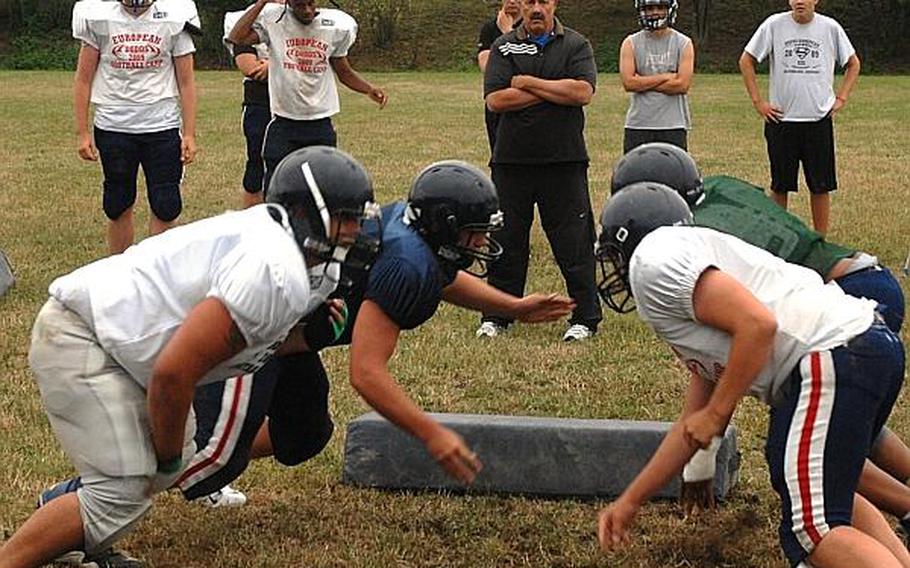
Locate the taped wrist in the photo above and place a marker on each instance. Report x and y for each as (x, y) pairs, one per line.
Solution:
(703, 464)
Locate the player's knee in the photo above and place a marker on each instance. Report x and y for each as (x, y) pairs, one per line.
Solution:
(112, 508)
(117, 200)
(165, 202)
(308, 443)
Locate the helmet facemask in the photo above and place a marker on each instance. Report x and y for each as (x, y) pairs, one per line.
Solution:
(471, 259)
(653, 22)
(136, 7)
(313, 225)
(613, 286)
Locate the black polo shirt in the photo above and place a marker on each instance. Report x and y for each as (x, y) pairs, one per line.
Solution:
(543, 133)
(489, 32)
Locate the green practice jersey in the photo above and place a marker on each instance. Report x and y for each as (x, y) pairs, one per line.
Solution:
(741, 209)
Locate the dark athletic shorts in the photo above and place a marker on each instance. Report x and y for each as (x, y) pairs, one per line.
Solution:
(811, 143)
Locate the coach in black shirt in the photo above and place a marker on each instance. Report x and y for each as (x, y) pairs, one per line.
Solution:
(505, 21)
(539, 76)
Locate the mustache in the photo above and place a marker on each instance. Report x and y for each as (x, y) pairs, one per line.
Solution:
(537, 17)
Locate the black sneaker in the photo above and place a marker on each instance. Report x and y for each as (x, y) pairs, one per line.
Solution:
(111, 558)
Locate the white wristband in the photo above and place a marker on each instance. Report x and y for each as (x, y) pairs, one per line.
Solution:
(703, 464)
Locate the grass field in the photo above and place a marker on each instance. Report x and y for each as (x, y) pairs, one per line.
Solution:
(52, 222)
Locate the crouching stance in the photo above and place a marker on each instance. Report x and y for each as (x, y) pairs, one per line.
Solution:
(121, 344)
(744, 321)
(433, 248)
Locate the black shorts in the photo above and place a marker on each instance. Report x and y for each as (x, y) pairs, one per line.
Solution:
(283, 136)
(255, 120)
(811, 143)
(635, 137)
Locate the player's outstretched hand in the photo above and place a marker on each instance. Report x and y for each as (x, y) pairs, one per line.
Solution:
(614, 524)
(696, 497)
(536, 308)
(453, 454)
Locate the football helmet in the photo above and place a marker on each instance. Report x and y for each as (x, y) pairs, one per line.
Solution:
(316, 183)
(627, 218)
(661, 163)
(448, 198)
(650, 22)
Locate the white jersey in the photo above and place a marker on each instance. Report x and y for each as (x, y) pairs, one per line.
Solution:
(135, 301)
(802, 63)
(301, 82)
(135, 86)
(811, 315)
(230, 20)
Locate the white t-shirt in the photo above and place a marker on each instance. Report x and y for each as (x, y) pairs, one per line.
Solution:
(301, 81)
(811, 316)
(230, 20)
(135, 86)
(135, 301)
(802, 63)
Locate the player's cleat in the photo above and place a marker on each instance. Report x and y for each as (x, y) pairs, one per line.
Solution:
(490, 329)
(58, 490)
(578, 332)
(227, 496)
(110, 558)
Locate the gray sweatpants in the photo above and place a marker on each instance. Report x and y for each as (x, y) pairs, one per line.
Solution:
(100, 416)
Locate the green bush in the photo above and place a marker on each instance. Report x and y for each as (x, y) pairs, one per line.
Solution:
(38, 51)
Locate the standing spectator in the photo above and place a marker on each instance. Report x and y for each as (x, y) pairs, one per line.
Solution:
(803, 47)
(305, 45)
(656, 65)
(505, 21)
(253, 62)
(136, 67)
(539, 76)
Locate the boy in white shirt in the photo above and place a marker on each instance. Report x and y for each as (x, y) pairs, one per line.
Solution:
(803, 47)
(307, 47)
(136, 67)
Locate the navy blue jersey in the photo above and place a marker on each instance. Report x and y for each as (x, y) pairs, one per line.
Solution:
(406, 281)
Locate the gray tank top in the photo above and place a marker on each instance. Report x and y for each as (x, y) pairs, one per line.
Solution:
(652, 110)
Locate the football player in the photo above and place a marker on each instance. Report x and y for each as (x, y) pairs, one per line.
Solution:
(307, 48)
(136, 67)
(741, 209)
(121, 344)
(744, 321)
(434, 246)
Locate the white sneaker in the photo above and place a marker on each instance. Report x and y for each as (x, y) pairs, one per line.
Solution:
(227, 496)
(490, 329)
(578, 332)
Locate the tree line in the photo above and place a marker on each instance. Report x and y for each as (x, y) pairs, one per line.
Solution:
(440, 34)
